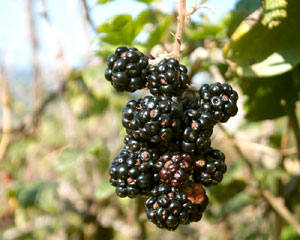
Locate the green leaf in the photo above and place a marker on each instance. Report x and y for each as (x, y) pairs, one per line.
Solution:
(28, 193)
(100, 151)
(224, 192)
(68, 159)
(203, 31)
(261, 52)
(104, 190)
(274, 12)
(119, 29)
(269, 98)
(236, 204)
(142, 19)
(289, 233)
(47, 200)
(243, 9)
(103, 1)
(156, 36)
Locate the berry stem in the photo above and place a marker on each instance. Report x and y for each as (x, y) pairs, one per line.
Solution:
(180, 26)
(141, 222)
(295, 127)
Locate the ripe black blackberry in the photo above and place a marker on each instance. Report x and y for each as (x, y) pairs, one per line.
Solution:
(197, 130)
(168, 78)
(167, 207)
(127, 69)
(132, 172)
(210, 168)
(218, 99)
(174, 168)
(155, 119)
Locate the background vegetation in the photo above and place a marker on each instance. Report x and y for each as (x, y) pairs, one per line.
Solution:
(55, 151)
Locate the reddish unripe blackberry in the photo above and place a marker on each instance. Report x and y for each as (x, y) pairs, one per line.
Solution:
(127, 69)
(155, 119)
(168, 78)
(132, 172)
(174, 168)
(210, 168)
(197, 130)
(218, 99)
(196, 194)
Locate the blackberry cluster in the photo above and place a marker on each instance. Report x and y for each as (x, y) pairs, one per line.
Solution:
(156, 119)
(168, 78)
(219, 100)
(210, 167)
(167, 207)
(167, 154)
(127, 69)
(175, 168)
(131, 171)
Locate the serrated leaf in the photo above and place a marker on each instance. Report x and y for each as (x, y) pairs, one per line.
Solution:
(68, 159)
(156, 36)
(261, 52)
(104, 190)
(269, 98)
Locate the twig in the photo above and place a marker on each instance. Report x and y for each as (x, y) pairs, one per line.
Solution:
(60, 53)
(6, 114)
(276, 203)
(196, 7)
(87, 15)
(278, 206)
(180, 26)
(141, 222)
(237, 147)
(29, 123)
(37, 88)
(295, 127)
(279, 222)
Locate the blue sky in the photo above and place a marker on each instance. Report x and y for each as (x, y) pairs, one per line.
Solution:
(14, 37)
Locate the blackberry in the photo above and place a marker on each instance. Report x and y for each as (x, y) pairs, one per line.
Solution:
(155, 119)
(132, 172)
(218, 99)
(168, 78)
(197, 130)
(174, 168)
(168, 207)
(127, 69)
(210, 168)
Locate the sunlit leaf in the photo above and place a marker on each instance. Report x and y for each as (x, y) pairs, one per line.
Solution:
(274, 12)
(258, 51)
